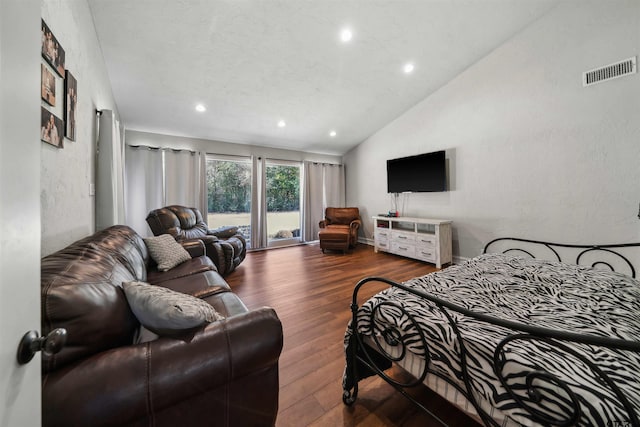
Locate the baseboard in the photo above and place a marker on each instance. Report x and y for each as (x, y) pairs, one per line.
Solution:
(366, 241)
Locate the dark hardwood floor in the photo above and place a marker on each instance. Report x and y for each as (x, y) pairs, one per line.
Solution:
(311, 292)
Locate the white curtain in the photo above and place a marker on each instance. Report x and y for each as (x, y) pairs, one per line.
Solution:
(313, 204)
(201, 203)
(144, 191)
(258, 204)
(110, 208)
(182, 179)
(334, 187)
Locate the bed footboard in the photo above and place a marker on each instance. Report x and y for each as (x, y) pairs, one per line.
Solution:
(542, 393)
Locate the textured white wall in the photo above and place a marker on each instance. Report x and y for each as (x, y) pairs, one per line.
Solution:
(68, 212)
(531, 152)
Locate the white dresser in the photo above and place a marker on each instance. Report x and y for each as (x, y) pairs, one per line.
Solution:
(419, 238)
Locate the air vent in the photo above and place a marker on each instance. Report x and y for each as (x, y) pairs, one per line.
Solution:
(608, 72)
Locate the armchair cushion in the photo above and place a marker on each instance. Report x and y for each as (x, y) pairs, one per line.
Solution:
(166, 251)
(166, 312)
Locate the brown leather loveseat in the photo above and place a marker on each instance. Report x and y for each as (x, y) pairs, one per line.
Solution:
(223, 373)
(225, 246)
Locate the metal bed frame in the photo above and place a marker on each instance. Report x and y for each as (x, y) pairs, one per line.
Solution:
(364, 360)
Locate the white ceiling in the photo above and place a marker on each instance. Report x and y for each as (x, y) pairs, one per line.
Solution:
(255, 62)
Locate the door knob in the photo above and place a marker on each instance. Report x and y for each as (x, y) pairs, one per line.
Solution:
(32, 343)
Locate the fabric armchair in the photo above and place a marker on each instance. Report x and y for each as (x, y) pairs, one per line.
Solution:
(224, 246)
(345, 219)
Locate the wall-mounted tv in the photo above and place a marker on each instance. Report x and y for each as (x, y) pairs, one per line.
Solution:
(421, 173)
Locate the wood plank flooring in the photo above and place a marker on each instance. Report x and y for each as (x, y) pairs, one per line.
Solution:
(311, 292)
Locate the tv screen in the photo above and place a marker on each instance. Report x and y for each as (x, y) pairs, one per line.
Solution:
(421, 173)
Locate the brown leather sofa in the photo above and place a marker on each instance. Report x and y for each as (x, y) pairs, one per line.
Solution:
(339, 228)
(222, 374)
(226, 248)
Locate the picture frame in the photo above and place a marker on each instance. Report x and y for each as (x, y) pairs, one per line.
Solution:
(51, 128)
(70, 105)
(52, 51)
(47, 86)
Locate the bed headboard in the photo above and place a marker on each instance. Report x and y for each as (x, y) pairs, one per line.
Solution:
(623, 257)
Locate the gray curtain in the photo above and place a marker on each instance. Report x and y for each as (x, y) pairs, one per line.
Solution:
(258, 204)
(110, 208)
(144, 186)
(313, 201)
(181, 178)
(334, 186)
(157, 177)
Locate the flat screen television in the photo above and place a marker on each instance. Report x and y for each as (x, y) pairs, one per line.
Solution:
(421, 173)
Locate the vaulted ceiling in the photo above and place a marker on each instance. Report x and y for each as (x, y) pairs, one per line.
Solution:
(255, 64)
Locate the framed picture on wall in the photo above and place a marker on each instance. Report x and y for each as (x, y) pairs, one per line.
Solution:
(70, 105)
(51, 128)
(52, 51)
(47, 85)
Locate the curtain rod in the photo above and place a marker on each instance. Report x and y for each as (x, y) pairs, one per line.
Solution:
(271, 158)
(161, 148)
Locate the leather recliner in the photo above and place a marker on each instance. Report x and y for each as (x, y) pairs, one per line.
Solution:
(344, 219)
(225, 246)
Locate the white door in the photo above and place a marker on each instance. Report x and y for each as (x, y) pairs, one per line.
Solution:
(20, 390)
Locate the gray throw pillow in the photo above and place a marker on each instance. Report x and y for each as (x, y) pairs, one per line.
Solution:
(166, 251)
(164, 311)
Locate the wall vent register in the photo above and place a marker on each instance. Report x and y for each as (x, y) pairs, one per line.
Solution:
(609, 72)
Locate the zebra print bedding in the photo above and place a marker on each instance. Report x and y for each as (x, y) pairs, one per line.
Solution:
(537, 380)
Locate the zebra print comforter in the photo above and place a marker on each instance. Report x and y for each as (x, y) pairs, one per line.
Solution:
(547, 294)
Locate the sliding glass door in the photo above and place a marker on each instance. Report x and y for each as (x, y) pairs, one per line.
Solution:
(229, 193)
(276, 220)
(282, 202)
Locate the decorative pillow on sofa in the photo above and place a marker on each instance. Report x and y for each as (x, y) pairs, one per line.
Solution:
(164, 311)
(166, 251)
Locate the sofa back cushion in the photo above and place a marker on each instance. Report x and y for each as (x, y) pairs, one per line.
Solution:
(82, 292)
(342, 216)
(179, 221)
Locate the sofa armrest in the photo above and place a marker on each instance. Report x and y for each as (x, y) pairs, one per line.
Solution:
(355, 224)
(323, 223)
(124, 384)
(223, 232)
(195, 247)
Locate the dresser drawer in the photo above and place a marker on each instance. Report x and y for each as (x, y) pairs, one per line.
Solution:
(426, 240)
(382, 235)
(425, 254)
(404, 249)
(403, 237)
(383, 245)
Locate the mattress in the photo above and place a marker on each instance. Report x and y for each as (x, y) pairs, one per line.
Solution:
(533, 292)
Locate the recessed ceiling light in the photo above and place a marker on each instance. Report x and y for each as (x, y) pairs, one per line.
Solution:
(408, 68)
(332, 133)
(201, 108)
(346, 35)
(281, 124)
